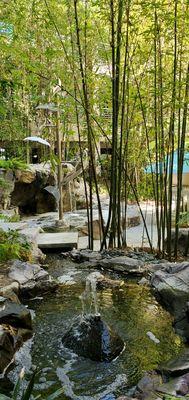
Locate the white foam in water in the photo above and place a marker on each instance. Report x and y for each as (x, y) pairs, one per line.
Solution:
(89, 306)
(67, 278)
(69, 385)
(22, 358)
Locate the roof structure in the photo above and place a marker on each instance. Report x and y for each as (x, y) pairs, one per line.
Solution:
(151, 168)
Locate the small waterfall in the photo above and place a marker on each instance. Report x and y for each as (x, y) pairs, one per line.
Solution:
(88, 298)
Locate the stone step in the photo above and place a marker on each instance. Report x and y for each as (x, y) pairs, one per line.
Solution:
(57, 240)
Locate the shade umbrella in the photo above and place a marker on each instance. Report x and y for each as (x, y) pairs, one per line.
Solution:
(160, 167)
(47, 106)
(37, 139)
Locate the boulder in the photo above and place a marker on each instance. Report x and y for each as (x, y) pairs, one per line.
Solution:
(5, 191)
(97, 230)
(6, 349)
(79, 192)
(143, 282)
(103, 282)
(22, 335)
(182, 243)
(130, 221)
(27, 176)
(172, 288)
(133, 221)
(147, 385)
(31, 235)
(22, 272)
(29, 194)
(16, 315)
(96, 279)
(85, 255)
(10, 292)
(32, 279)
(176, 366)
(175, 387)
(92, 338)
(124, 265)
(172, 285)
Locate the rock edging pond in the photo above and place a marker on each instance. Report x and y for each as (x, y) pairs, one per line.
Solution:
(170, 284)
(18, 280)
(168, 280)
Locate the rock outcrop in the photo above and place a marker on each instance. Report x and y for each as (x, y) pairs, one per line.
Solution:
(92, 338)
(15, 328)
(172, 288)
(182, 242)
(29, 192)
(25, 280)
(33, 280)
(26, 189)
(97, 230)
(6, 348)
(176, 366)
(147, 385)
(124, 265)
(7, 178)
(16, 315)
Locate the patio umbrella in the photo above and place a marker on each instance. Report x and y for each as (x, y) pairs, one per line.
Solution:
(37, 139)
(152, 168)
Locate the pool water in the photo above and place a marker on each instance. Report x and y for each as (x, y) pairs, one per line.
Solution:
(131, 310)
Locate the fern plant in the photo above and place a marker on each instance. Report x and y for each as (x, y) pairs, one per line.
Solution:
(13, 164)
(13, 245)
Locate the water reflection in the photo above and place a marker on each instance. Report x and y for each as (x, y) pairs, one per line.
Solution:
(132, 311)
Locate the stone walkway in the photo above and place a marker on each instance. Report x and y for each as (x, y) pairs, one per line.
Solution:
(136, 236)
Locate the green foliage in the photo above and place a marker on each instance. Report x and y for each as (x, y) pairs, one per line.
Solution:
(54, 161)
(13, 164)
(26, 394)
(11, 218)
(4, 184)
(184, 219)
(154, 39)
(13, 245)
(144, 187)
(105, 164)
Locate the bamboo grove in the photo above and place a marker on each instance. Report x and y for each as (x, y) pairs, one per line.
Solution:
(129, 57)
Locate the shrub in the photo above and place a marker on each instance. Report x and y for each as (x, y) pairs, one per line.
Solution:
(13, 245)
(11, 218)
(13, 164)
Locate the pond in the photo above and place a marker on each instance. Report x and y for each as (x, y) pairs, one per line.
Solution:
(130, 310)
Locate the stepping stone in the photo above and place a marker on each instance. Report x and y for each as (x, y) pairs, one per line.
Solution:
(59, 240)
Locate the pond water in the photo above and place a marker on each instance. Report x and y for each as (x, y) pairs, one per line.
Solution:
(131, 311)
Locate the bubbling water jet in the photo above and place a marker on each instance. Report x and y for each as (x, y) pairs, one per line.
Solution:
(89, 296)
(89, 336)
